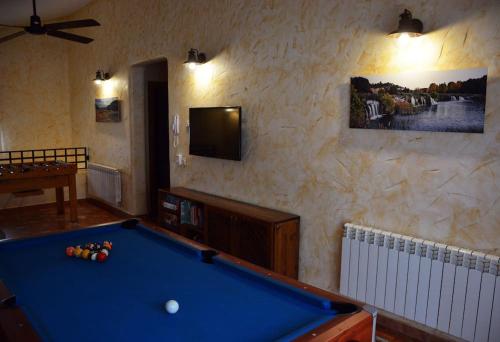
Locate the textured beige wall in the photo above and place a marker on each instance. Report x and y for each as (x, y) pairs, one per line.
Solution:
(288, 63)
(34, 100)
(34, 90)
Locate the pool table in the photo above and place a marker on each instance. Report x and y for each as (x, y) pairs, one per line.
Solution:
(49, 296)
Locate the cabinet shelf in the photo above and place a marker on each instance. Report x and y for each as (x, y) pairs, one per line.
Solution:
(176, 212)
(263, 236)
(181, 215)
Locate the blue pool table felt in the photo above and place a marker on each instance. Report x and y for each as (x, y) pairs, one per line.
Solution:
(123, 298)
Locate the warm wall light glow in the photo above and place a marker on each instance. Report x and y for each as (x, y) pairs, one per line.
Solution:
(191, 66)
(203, 74)
(98, 82)
(403, 39)
(419, 53)
(107, 88)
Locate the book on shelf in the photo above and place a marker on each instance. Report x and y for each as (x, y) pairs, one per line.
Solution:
(190, 213)
(195, 215)
(170, 206)
(170, 202)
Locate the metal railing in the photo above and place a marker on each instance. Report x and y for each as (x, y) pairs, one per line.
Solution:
(72, 155)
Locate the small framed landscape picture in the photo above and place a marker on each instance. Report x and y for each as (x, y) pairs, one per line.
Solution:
(107, 110)
(439, 101)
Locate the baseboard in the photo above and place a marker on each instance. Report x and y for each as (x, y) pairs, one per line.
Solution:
(398, 326)
(107, 207)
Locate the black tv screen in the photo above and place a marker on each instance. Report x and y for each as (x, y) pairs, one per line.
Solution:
(215, 132)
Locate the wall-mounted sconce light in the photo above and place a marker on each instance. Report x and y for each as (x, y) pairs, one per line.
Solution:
(195, 58)
(408, 27)
(101, 76)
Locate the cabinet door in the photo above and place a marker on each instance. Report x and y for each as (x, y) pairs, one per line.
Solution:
(251, 241)
(219, 229)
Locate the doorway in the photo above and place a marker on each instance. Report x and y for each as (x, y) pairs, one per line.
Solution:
(149, 135)
(158, 165)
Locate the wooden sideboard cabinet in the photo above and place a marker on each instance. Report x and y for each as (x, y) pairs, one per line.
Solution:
(263, 236)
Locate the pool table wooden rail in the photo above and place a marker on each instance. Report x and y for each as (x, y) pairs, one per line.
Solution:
(358, 326)
(14, 325)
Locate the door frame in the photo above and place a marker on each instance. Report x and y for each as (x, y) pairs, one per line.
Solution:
(138, 173)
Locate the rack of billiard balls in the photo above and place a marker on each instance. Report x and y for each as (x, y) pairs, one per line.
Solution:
(93, 251)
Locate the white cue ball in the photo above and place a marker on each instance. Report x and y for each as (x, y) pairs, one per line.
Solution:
(172, 306)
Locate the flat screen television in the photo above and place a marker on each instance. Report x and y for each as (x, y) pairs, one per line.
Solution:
(215, 132)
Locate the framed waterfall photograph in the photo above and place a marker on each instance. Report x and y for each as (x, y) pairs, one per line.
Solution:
(440, 101)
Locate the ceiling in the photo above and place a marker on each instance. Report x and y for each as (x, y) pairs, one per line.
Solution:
(18, 12)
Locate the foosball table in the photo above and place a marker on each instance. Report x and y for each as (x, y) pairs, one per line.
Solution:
(26, 177)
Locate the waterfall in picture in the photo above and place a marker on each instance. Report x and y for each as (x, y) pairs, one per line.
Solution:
(372, 109)
(420, 100)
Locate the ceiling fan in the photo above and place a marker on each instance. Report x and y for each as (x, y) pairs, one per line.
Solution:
(37, 28)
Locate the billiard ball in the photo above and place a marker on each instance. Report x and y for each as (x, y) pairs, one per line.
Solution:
(77, 252)
(101, 257)
(69, 251)
(85, 253)
(172, 306)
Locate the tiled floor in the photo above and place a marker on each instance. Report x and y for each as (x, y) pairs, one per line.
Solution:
(31, 221)
(34, 220)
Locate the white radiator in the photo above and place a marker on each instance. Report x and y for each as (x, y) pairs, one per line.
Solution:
(452, 289)
(104, 183)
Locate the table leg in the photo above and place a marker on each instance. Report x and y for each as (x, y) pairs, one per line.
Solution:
(60, 200)
(72, 198)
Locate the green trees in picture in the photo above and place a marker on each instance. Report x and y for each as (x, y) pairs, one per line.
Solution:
(447, 101)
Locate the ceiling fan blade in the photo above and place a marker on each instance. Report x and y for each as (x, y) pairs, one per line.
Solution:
(70, 36)
(11, 36)
(2, 25)
(72, 24)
